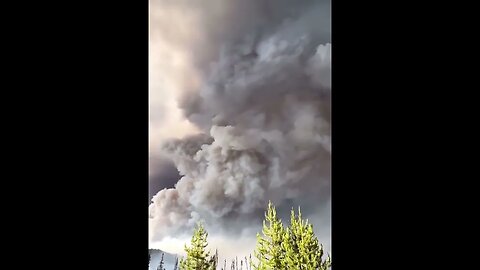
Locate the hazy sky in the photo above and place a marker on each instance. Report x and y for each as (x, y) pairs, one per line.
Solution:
(239, 115)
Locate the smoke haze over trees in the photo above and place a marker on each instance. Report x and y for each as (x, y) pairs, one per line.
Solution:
(247, 84)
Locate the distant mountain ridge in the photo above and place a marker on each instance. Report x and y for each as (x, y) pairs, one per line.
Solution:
(156, 256)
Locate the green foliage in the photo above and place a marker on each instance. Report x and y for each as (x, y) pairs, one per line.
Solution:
(269, 252)
(293, 248)
(302, 250)
(278, 247)
(197, 257)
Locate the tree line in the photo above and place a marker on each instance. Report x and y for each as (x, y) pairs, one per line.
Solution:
(279, 247)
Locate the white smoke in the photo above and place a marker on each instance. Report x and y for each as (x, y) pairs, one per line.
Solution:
(254, 78)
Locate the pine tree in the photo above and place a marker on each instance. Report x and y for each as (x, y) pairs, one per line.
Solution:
(197, 257)
(160, 266)
(302, 250)
(213, 261)
(269, 252)
(289, 248)
(175, 267)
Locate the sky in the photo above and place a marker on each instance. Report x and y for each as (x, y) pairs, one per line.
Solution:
(239, 114)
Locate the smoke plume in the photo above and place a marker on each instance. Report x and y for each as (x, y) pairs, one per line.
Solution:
(253, 78)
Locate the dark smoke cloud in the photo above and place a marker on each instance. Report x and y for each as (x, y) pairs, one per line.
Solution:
(264, 108)
(162, 174)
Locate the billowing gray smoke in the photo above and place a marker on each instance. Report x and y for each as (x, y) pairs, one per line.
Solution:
(263, 104)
